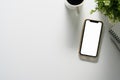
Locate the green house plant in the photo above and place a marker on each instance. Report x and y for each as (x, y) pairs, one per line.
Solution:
(110, 8)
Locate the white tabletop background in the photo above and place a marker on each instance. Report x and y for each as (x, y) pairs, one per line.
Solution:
(39, 40)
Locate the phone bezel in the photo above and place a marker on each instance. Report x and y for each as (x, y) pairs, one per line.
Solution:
(95, 21)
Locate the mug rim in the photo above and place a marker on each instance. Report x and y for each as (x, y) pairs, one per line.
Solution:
(73, 6)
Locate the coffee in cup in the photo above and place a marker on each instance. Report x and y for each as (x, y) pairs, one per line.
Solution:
(72, 4)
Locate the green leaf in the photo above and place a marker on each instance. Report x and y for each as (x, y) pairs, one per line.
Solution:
(110, 8)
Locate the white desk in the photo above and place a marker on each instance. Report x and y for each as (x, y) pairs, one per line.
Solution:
(39, 40)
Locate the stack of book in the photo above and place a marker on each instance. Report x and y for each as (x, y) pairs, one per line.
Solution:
(115, 35)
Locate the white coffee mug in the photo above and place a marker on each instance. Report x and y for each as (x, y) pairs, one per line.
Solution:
(72, 6)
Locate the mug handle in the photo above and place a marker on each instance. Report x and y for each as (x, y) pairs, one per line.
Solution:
(77, 11)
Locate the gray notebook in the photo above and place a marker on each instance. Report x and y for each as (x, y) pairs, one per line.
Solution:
(115, 35)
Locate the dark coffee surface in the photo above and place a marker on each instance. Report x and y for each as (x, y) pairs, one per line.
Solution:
(75, 2)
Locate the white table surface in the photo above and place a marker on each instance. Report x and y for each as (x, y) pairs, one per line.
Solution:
(39, 40)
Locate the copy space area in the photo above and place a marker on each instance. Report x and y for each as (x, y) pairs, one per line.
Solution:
(37, 42)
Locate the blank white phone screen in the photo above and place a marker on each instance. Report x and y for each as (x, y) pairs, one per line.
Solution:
(91, 38)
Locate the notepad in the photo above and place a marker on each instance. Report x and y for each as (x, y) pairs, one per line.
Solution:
(115, 35)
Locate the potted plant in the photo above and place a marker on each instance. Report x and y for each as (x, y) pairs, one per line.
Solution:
(110, 8)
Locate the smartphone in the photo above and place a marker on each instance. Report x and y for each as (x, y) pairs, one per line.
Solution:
(91, 38)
